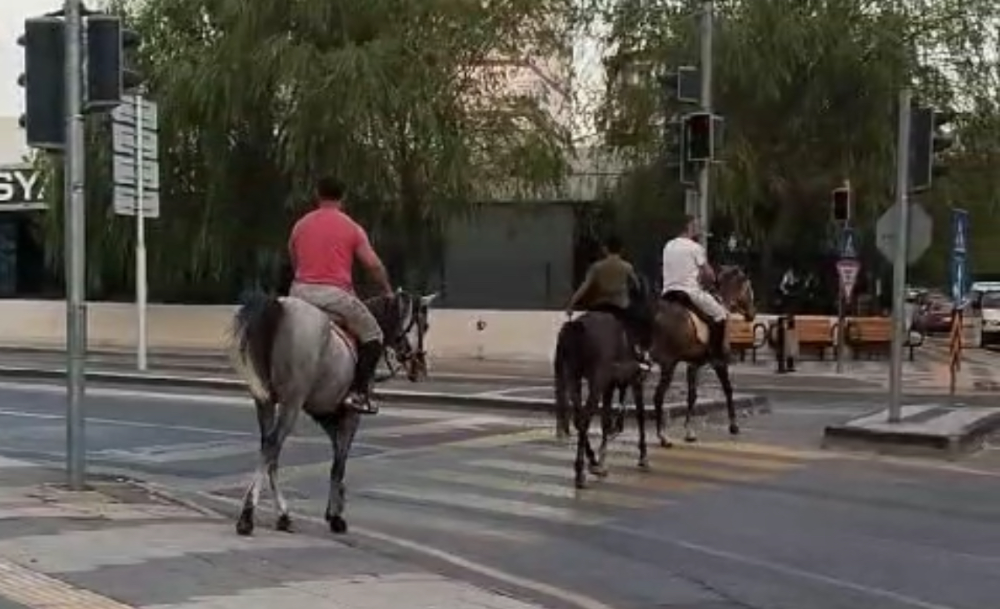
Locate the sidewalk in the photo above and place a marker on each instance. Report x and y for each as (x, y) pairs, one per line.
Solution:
(119, 546)
(929, 373)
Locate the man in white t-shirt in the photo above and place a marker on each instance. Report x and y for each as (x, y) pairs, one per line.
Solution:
(686, 269)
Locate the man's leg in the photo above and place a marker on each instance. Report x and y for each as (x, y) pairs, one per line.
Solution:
(346, 307)
(713, 309)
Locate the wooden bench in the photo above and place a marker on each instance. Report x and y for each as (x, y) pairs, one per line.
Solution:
(814, 334)
(873, 335)
(745, 336)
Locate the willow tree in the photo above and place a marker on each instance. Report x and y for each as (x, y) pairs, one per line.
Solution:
(808, 89)
(257, 99)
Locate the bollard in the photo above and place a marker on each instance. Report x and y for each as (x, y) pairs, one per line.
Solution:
(791, 349)
(779, 343)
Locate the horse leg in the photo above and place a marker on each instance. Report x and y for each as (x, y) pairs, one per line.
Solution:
(341, 428)
(722, 372)
(271, 450)
(567, 391)
(584, 412)
(692, 398)
(266, 416)
(640, 418)
(597, 465)
(659, 394)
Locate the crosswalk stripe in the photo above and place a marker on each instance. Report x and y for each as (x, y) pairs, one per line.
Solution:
(768, 450)
(546, 489)
(749, 461)
(503, 439)
(645, 481)
(664, 468)
(471, 501)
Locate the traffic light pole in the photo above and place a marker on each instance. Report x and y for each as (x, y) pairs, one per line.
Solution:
(708, 7)
(900, 330)
(75, 248)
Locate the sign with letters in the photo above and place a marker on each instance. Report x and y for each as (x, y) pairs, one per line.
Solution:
(21, 188)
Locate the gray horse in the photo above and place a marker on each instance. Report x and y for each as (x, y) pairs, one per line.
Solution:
(293, 359)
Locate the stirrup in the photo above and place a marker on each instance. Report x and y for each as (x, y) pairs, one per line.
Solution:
(361, 403)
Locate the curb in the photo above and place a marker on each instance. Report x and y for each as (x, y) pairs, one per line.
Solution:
(755, 403)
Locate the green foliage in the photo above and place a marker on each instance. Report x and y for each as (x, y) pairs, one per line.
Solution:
(809, 91)
(259, 99)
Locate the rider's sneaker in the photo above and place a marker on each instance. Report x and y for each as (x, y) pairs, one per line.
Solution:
(362, 403)
(644, 362)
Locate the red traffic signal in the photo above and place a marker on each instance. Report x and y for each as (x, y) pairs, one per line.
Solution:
(841, 203)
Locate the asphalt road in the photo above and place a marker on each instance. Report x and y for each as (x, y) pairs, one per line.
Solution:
(768, 522)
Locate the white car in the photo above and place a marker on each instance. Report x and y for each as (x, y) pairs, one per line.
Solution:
(989, 304)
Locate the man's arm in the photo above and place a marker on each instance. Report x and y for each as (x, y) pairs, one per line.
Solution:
(706, 271)
(372, 263)
(582, 290)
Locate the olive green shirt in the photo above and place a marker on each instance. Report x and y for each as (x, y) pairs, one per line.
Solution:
(607, 282)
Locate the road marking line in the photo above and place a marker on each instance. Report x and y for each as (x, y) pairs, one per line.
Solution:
(20, 414)
(556, 491)
(674, 458)
(767, 450)
(643, 481)
(481, 503)
(670, 469)
(503, 439)
(567, 596)
(39, 591)
(776, 567)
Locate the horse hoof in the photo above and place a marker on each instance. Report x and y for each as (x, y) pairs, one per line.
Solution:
(244, 526)
(337, 525)
(599, 470)
(734, 429)
(691, 439)
(580, 483)
(644, 463)
(284, 523)
(666, 443)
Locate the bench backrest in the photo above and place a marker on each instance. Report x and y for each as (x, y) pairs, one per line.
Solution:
(870, 328)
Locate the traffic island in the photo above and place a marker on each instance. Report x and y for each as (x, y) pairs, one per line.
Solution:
(928, 429)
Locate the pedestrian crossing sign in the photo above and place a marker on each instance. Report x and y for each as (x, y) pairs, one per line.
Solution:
(848, 244)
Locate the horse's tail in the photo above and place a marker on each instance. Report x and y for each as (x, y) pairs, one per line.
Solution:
(571, 349)
(255, 326)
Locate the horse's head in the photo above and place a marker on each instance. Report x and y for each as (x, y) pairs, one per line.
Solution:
(402, 316)
(736, 291)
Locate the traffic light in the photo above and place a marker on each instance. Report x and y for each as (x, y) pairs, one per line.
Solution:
(700, 135)
(841, 203)
(927, 139)
(676, 150)
(109, 74)
(684, 85)
(43, 80)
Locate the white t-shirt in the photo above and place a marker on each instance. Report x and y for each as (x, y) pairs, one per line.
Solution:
(682, 257)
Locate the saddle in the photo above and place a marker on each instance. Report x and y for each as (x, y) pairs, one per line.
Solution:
(698, 320)
(341, 331)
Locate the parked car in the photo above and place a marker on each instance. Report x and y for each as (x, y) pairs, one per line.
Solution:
(934, 315)
(989, 333)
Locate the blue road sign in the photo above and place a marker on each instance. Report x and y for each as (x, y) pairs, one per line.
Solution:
(959, 261)
(959, 231)
(848, 243)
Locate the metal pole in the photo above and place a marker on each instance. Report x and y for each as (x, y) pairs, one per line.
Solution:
(706, 105)
(75, 249)
(140, 240)
(899, 265)
(840, 292)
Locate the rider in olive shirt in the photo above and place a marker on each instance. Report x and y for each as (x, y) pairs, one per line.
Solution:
(606, 288)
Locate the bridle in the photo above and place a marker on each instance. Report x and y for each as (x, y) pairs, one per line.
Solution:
(399, 354)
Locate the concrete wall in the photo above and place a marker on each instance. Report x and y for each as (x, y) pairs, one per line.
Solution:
(454, 333)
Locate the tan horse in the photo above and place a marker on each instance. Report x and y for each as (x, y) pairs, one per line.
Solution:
(681, 335)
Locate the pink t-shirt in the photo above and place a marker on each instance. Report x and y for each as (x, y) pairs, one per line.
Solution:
(323, 245)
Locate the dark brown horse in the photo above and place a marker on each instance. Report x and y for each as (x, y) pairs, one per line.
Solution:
(681, 335)
(593, 347)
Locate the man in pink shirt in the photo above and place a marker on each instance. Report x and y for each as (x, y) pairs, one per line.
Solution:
(323, 246)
